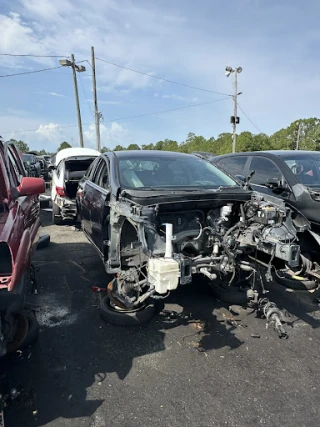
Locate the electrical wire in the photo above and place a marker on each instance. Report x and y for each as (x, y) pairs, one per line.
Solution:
(161, 78)
(166, 111)
(34, 56)
(259, 130)
(130, 117)
(31, 72)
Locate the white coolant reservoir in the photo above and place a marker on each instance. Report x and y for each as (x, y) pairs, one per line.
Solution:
(163, 274)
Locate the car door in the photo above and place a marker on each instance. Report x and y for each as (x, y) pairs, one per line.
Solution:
(29, 205)
(100, 205)
(266, 170)
(85, 195)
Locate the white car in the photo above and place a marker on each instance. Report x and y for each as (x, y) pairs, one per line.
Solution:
(69, 166)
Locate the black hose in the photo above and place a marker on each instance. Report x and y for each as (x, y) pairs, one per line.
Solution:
(225, 246)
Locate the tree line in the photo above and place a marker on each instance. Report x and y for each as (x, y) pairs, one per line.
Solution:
(304, 133)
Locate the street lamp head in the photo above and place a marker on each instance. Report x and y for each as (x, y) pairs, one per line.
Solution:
(228, 73)
(80, 68)
(65, 62)
(239, 69)
(229, 69)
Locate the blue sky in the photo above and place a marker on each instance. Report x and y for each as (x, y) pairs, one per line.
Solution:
(275, 42)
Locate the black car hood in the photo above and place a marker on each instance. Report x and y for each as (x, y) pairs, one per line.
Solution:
(148, 198)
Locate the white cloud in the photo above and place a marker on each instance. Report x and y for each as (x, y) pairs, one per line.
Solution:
(178, 42)
(57, 94)
(179, 97)
(110, 136)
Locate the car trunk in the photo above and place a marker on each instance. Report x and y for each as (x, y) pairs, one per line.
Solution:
(75, 169)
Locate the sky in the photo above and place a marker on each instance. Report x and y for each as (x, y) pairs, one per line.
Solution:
(276, 43)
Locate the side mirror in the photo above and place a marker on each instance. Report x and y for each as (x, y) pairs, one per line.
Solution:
(277, 186)
(31, 186)
(51, 167)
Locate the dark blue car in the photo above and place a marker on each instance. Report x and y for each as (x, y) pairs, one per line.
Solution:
(292, 175)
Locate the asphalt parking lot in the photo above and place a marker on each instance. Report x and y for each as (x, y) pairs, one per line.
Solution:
(194, 364)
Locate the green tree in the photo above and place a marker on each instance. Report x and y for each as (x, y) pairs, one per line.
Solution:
(245, 142)
(105, 149)
(119, 148)
(42, 152)
(147, 147)
(64, 145)
(308, 131)
(261, 142)
(194, 143)
(224, 143)
(21, 145)
(133, 147)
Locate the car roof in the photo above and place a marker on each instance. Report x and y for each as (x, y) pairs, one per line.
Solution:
(271, 153)
(78, 151)
(149, 154)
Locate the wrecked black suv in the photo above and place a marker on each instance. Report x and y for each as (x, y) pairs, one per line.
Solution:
(157, 218)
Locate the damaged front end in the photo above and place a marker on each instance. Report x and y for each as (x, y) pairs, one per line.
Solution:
(153, 248)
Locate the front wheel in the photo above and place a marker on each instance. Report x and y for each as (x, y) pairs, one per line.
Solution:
(109, 312)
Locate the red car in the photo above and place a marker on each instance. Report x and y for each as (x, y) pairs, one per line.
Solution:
(19, 225)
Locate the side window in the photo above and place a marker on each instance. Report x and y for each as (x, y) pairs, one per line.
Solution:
(104, 177)
(264, 169)
(233, 165)
(96, 173)
(90, 169)
(14, 168)
(59, 169)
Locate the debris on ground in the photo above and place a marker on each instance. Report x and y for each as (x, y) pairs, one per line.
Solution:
(255, 335)
(43, 241)
(273, 315)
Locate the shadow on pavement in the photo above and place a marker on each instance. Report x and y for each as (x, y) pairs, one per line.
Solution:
(76, 349)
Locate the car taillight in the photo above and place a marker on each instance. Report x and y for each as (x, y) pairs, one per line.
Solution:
(60, 192)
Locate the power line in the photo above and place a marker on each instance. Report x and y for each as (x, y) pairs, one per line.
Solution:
(130, 117)
(30, 72)
(34, 56)
(163, 79)
(259, 130)
(166, 111)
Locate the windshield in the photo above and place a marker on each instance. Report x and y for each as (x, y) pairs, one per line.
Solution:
(306, 168)
(175, 172)
(27, 157)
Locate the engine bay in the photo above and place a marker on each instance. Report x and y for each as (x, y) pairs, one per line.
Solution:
(223, 239)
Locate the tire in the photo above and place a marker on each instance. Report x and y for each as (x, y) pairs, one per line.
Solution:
(56, 220)
(126, 318)
(230, 295)
(299, 285)
(33, 331)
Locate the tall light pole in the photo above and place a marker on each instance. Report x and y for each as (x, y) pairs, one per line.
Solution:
(234, 119)
(79, 69)
(97, 114)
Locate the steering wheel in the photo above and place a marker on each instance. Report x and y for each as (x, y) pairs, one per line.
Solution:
(296, 169)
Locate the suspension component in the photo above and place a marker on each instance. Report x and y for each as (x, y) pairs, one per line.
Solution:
(273, 315)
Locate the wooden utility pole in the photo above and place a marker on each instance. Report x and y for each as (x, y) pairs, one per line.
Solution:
(95, 100)
(73, 66)
(235, 108)
(234, 119)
